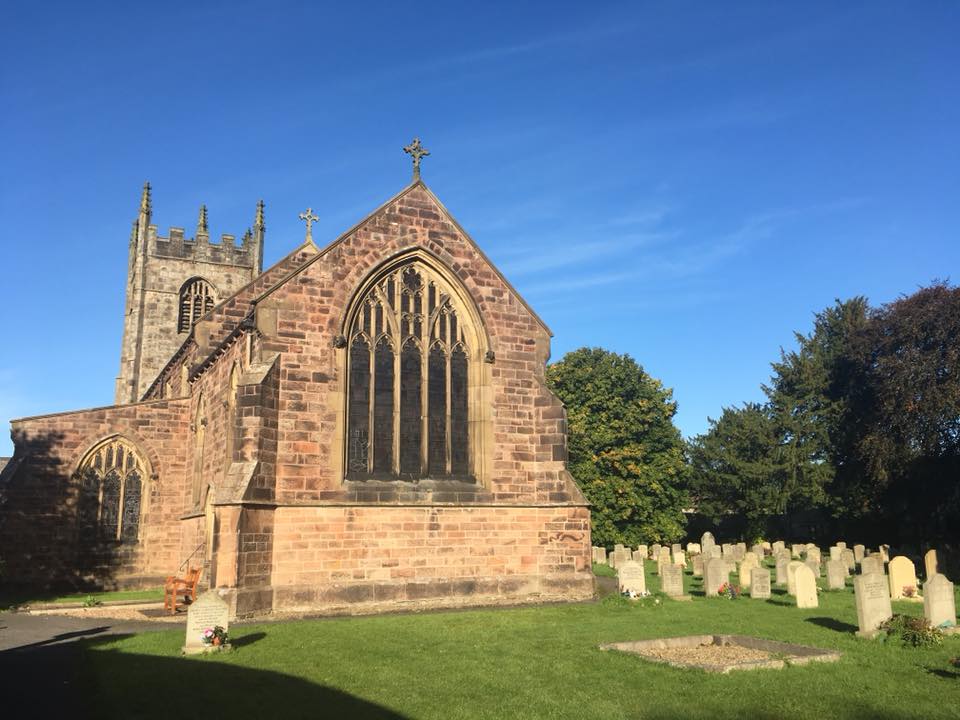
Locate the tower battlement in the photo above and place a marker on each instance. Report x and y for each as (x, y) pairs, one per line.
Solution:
(200, 248)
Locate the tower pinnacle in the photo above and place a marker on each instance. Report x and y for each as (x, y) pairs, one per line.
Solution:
(146, 206)
(202, 227)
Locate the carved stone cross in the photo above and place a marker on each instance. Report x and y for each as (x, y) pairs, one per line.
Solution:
(417, 152)
(310, 218)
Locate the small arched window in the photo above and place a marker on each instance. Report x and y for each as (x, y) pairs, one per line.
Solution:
(111, 491)
(197, 298)
(409, 351)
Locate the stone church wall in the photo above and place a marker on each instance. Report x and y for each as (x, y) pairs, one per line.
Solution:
(348, 558)
(38, 528)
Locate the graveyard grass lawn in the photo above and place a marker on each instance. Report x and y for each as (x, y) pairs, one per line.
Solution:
(536, 662)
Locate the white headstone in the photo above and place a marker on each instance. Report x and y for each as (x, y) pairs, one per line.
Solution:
(671, 582)
(782, 561)
(859, 551)
(630, 577)
(759, 583)
(749, 562)
(873, 602)
(698, 565)
(836, 575)
(939, 603)
(792, 568)
(207, 612)
(714, 575)
(679, 558)
(903, 578)
(806, 587)
(930, 563)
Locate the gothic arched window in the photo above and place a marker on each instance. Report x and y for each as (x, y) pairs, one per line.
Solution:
(409, 350)
(197, 298)
(111, 491)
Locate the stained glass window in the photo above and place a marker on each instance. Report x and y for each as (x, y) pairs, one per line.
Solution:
(111, 488)
(407, 417)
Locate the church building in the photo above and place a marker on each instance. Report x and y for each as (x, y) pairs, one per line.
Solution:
(362, 426)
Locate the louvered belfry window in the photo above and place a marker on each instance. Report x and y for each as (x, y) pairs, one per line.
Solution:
(111, 492)
(407, 392)
(196, 300)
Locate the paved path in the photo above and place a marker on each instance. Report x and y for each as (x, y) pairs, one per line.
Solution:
(39, 661)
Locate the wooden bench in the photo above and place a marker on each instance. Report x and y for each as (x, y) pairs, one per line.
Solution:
(180, 592)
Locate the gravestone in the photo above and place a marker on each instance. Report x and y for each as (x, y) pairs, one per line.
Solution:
(707, 539)
(698, 565)
(630, 577)
(749, 562)
(206, 612)
(859, 552)
(939, 603)
(716, 551)
(873, 602)
(872, 565)
(884, 551)
(693, 548)
(675, 548)
(759, 583)
(644, 551)
(835, 551)
(902, 575)
(930, 563)
(714, 575)
(836, 575)
(766, 545)
(758, 551)
(848, 559)
(842, 545)
(727, 550)
(680, 559)
(639, 556)
(796, 551)
(655, 551)
(814, 566)
(619, 548)
(792, 567)
(739, 550)
(805, 583)
(813, 553)
(671, 582)
(782, 561)
(777, 547)
(612, 560)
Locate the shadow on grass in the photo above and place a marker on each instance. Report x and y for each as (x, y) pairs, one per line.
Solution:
(832, 624)
(946, 674)
(249, 639)
(80, 680)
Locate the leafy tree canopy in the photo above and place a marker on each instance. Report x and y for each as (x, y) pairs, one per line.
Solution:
(624, 450)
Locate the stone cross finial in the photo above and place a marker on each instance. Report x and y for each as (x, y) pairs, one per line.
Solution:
(202, 226)
(417, 152)
(146, 206)
(310, 218)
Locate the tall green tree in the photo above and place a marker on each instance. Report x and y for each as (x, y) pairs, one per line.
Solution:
(737, 467)
(625, 453)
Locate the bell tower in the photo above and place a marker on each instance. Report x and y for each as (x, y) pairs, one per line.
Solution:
(172, 282)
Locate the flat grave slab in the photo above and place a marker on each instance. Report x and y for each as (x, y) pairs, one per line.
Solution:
(723, 653)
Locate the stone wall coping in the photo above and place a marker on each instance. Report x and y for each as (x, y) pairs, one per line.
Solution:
(141, 403)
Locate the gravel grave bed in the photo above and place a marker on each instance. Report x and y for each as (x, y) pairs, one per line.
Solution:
(709, 654)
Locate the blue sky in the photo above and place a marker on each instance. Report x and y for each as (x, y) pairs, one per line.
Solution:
(684, 182)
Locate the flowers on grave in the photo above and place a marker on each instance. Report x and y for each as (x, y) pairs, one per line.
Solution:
(909, 591)
(729, 590)
(634, 594)
(215, 636)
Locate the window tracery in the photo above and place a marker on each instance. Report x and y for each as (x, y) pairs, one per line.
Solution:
(197, 298)
(408, 363)
(111, 492)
